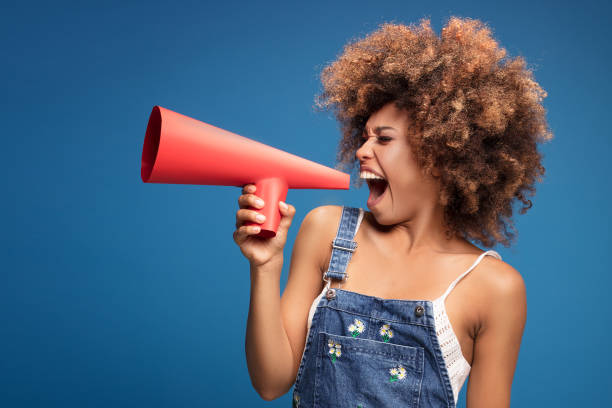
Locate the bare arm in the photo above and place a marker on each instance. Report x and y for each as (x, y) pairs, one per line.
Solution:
(497, 343)
(276, 328)
(268, 352)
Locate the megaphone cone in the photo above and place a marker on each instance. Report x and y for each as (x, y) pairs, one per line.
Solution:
(180, 150)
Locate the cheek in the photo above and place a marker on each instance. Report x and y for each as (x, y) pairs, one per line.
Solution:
(408, 191)
(401, 170)
(404, 174)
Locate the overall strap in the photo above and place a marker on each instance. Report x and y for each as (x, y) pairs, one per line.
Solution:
(452, 285)
(343, 245)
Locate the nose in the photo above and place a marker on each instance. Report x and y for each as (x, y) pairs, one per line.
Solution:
(364, 152)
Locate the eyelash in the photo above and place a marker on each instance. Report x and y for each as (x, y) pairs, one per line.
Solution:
(386, 139)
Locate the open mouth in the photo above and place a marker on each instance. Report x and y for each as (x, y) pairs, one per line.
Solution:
(377, 190)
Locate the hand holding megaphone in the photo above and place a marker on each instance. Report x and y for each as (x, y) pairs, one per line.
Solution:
(180, 150)
(259, 251)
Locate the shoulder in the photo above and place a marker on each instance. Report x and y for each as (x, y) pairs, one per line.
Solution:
(504, 293)
(327, 218)
(502, 279)
(323, 220)
(324, 213)
(320, 226)
(498, 339)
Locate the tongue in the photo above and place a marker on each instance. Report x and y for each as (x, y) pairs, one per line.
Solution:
(378, 187)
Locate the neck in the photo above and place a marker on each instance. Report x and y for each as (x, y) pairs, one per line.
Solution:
(424, 232)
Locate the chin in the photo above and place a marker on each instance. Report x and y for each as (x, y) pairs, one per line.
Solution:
(381, 220)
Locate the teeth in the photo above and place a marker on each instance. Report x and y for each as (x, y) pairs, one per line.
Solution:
(369, 175)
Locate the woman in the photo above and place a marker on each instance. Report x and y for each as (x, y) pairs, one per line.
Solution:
(445, 132)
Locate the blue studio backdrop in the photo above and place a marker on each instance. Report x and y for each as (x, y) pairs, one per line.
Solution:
(117, 293)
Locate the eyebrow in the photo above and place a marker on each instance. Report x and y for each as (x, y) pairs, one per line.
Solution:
(378, 129)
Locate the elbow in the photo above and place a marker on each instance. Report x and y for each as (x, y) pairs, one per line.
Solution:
(269, 394)
(268, 397)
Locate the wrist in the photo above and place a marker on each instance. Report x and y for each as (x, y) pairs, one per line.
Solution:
(272, 267)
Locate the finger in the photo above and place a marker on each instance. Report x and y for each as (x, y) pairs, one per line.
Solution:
(287, 213)
(242, 233)
(243, 215)
(248, 188)
(250, 200)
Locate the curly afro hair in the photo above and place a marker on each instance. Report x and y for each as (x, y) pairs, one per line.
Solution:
(478, 115)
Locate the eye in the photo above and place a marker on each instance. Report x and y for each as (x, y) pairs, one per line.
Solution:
(382, 139)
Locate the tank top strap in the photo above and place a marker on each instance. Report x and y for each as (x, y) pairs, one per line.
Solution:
(343, 244)
(452, 285)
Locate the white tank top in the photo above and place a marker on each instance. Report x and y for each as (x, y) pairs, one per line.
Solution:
(457, 366)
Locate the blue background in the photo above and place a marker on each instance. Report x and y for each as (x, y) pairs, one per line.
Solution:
(119, 293)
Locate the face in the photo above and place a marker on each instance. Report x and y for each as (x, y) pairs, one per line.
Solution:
(386, 151)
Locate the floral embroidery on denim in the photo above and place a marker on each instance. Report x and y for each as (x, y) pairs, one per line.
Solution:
(397, 373)
(334, 349)
(296, 401)
(356, 328)
(386, 332)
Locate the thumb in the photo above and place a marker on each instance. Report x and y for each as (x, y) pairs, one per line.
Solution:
(287, 211)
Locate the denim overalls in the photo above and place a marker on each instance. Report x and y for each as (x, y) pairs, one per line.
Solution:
(368, 352)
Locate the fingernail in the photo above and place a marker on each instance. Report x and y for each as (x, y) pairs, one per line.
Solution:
(259, 202)
(282, 205)
(261, 218)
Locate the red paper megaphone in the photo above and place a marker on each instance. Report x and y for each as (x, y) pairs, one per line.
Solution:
(180, 150)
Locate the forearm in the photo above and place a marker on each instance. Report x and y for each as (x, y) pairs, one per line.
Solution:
(268, 351)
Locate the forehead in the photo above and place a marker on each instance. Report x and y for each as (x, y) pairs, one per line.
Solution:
(388, 116)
